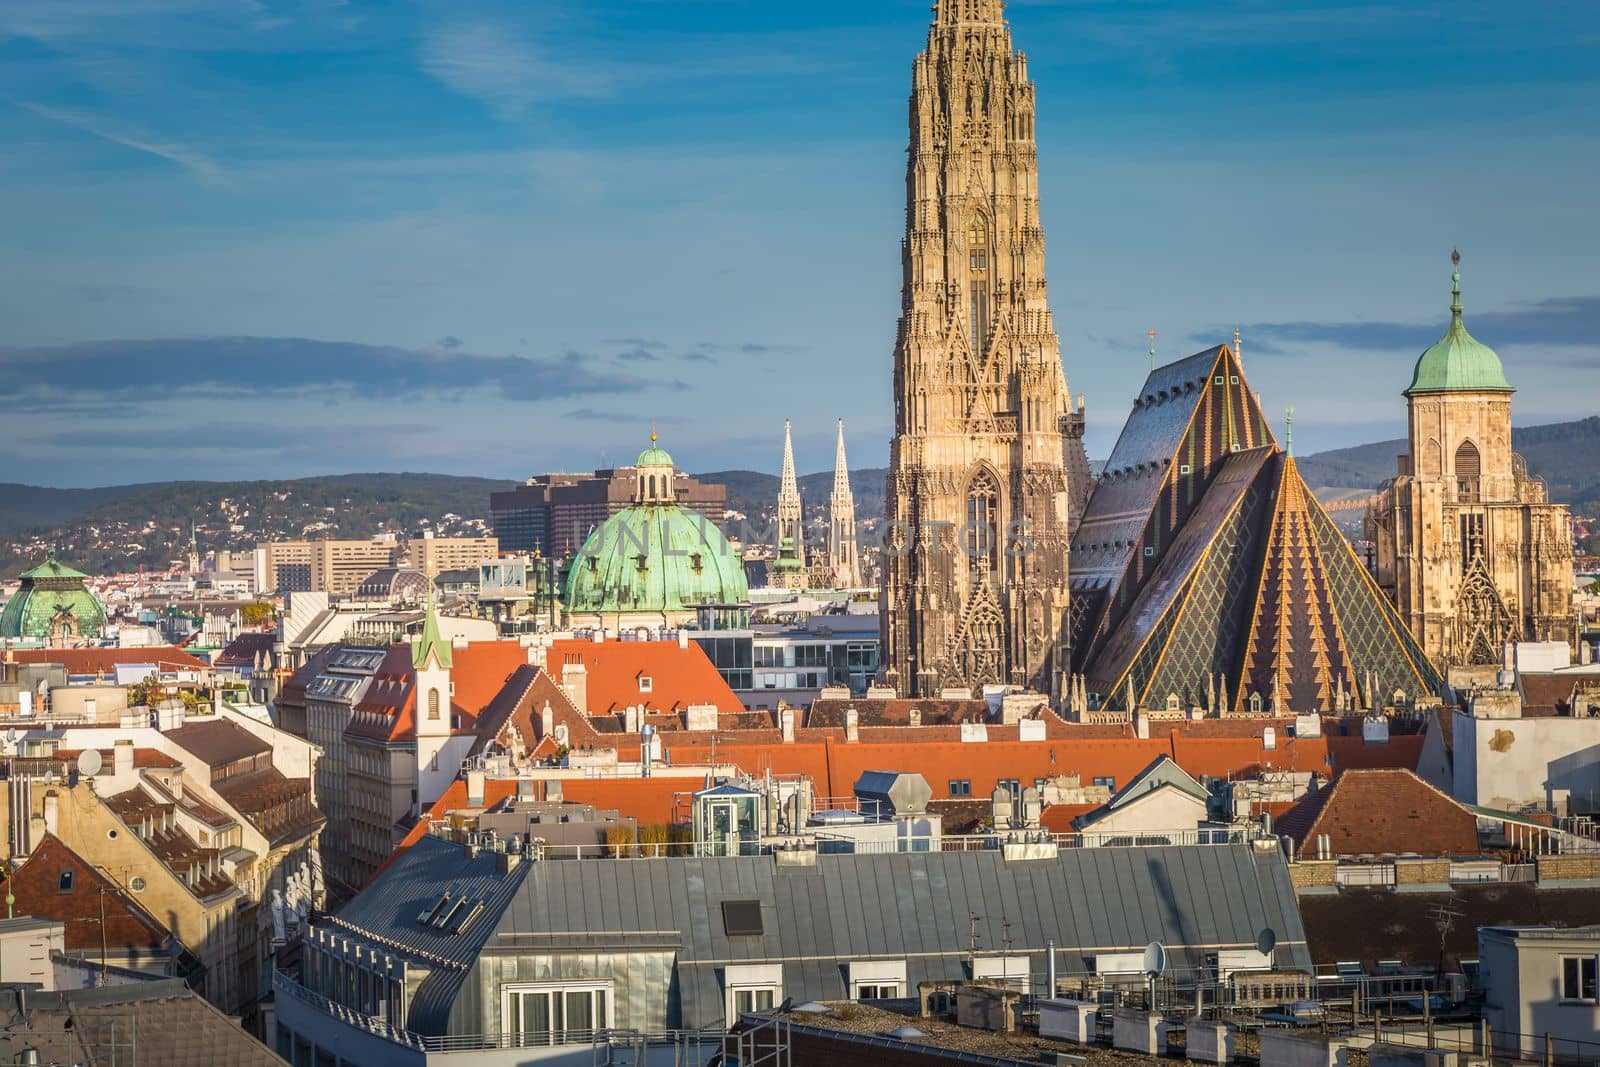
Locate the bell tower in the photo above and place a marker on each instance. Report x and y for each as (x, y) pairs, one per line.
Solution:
(977, 508)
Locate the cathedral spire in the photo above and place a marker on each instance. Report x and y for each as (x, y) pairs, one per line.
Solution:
(791, 558)
(951, 11)
(1455, 283)
(842, 556)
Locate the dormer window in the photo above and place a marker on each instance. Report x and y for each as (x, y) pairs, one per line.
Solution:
(646, 683)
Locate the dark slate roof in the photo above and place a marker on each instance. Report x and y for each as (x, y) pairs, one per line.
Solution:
(917, 907)
(913, 906)
(218, 742)
(243, 650)
(173, 1026)
(411, 884)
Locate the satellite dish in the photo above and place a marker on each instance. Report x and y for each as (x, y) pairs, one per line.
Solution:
(1266, 941)
(1155, 959)
(89, 762)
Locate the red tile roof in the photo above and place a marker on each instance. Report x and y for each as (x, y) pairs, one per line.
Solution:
(478, 671)
(679, 676)
(105, 660)
(1381, 812)
(37, 887)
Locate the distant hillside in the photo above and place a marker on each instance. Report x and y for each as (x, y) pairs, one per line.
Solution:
(124, 527)
(1565, 454)
(33, 505)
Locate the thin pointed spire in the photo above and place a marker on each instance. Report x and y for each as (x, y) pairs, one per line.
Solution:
(430, 643)
(1238, 348)
(842, 556)
(1288, 430)
(1152, 336)
(1455, 283)
(790, 486)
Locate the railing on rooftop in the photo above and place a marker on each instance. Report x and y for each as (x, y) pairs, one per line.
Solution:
(285, 985)
(821, 839)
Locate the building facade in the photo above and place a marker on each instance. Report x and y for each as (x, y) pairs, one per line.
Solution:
(552, 514)
(977, 500)
(1469, 545)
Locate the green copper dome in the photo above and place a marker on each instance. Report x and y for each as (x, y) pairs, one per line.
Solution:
(53, 602)
(653, 558)
(654, 456)
(1458, 362)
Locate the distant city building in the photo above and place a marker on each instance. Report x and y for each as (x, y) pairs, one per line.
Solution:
(1468, 543)
(653, 563)
(55, 605)
(552, 514)
(978, 502)
(340, 567)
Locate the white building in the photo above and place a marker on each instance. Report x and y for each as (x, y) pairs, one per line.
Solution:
(1540, 980)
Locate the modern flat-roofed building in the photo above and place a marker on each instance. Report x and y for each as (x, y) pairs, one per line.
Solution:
(553, 513)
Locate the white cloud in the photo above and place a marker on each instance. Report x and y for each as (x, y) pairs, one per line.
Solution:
(197, 163)
(492, 64)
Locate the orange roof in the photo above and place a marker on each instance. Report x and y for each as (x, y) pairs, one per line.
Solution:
(105, 660)
(1057, 818)
(479, 670)
(678, 676)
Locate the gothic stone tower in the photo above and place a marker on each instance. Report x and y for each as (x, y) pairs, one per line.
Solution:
(843, 560)
(1468, 545)
(975, 550)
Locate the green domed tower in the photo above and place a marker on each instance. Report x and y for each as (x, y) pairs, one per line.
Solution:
(1468, 545)
(653, 563)
(54, 603)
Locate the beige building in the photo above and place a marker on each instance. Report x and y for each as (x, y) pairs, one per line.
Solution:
(339, 567)
(435, 555)
(977, 503)
(1469, 545)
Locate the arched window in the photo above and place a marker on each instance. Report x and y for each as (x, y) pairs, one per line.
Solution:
(978, 278)
(1469, 467)
(983, 522)
(433, 703)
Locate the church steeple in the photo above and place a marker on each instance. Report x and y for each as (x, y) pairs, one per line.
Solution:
(791, 557)
(981, 403)
(842, 556)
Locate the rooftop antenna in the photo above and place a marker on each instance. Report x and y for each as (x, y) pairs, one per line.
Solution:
(1152, 336)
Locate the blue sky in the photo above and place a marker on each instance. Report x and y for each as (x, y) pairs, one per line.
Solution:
(282, 237)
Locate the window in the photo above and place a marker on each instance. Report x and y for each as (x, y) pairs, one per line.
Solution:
(1107, 783)
(433, 703)
(961, 787)
(741, 918)
(558, 1014)
(978, 286)
(877, 979)
(1183, 468)
(752, 998)
(646, 683)
(1578, 977)
(64, 880)
(1469, 468)
(1010, 785)
(751, 987)
(983, 514)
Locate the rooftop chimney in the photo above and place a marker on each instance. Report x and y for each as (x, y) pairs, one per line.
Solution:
(475, 789)
(852, 724)
(575, 680)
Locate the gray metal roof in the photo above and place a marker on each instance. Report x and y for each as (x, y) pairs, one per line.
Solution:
(388, 909)
(916, 907)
